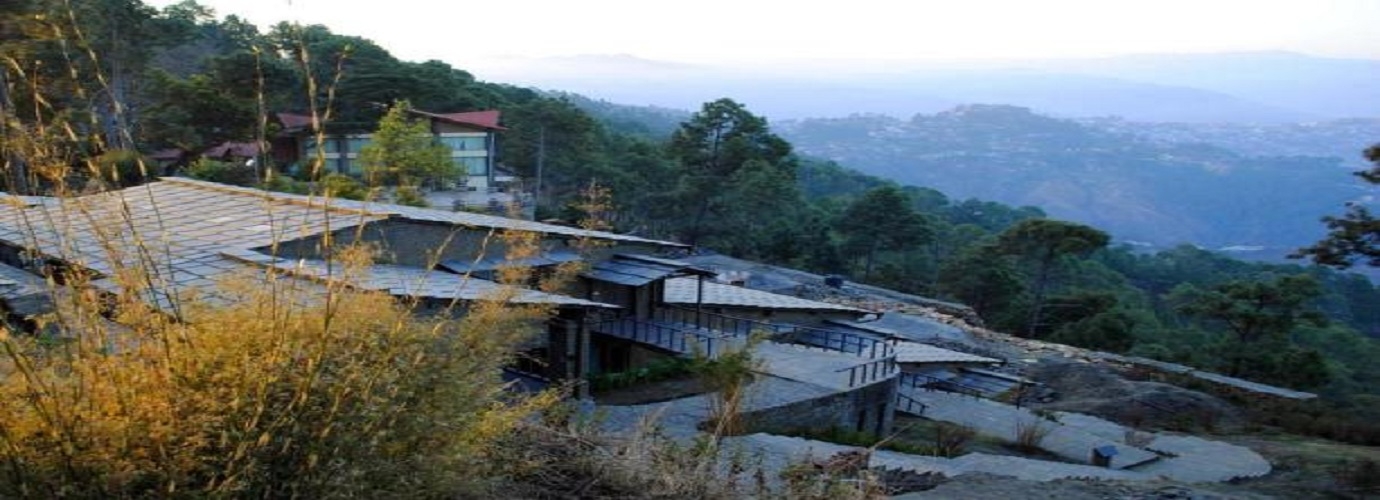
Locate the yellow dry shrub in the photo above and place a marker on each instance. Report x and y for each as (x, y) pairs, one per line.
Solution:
(274, 388)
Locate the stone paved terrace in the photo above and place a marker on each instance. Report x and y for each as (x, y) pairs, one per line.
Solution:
(779, 452)
(1181, 458)
(1198, 460)
(1000, 420)
(811, 365)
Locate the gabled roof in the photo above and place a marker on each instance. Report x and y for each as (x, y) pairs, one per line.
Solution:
(686, 291)
(294, 121)
(487, 119)
(232, 149)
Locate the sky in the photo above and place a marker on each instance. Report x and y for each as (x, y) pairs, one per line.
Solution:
(466, 34)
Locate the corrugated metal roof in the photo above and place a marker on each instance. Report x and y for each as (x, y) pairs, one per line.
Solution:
(686, 291)
(915, 352)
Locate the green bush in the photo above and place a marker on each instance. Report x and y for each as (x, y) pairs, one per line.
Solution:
(123, 167)
(662, 369)
(410, 196)
(344, 186)
(207, 169)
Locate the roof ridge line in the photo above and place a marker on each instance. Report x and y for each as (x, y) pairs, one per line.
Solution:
(309, 201)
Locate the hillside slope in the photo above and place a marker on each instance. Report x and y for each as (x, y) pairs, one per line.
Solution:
(1144, 191)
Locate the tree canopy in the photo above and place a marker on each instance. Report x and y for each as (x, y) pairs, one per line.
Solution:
(403, 152)
(1355, 236)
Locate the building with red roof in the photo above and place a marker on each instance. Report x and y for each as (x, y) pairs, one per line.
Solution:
(471, 136)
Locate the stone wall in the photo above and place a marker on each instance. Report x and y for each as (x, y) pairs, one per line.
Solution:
(867, 409)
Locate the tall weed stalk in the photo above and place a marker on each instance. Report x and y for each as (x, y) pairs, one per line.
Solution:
(261, 386)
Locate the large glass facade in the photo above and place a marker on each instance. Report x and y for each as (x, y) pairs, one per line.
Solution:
(469, 151)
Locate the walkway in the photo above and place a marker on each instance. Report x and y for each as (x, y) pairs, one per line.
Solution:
(779, 452)
(812, 365)
(680, 418)
(1000, 420)
(1182, 458)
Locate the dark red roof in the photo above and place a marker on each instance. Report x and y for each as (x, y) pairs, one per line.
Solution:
(233, 150)
(487, 119)
(168, 154)
(291, 120)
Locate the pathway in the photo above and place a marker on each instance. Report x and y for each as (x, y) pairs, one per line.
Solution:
(1000, 420)
(1182, 458)
(779, 452)
(680, 418)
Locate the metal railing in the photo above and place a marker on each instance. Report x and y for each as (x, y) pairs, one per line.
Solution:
(730, 325)
(928, 383)
(689, 331)
(839, 341)
(872, 371)
(910, 405)
(829, 340)
(672, 337)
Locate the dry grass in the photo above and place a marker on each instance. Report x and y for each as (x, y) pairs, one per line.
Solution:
(1030, 432)
(263, 386)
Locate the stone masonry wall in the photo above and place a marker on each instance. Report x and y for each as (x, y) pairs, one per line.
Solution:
(867, 409)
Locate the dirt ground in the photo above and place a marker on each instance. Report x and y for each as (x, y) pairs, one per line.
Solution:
(1099, 391)
(987, 487)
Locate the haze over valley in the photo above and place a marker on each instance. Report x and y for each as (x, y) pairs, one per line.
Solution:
(1238, 151)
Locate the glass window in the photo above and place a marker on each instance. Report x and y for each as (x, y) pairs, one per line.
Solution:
(309, 146)
(357, 143)
(463, 143)
(474, 166)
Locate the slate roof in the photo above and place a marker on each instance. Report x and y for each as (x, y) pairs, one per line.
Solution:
(189, 233)
(23, 293)
(410, 281)
(494, 262)
(915, 352)
(685, 290)
(25, 201)
(385, 210)
(638, 270)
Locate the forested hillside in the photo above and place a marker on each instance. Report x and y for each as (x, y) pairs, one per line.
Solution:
(723, 179)
(1158, 192)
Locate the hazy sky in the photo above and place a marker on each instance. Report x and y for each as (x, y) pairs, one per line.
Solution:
(729, 30)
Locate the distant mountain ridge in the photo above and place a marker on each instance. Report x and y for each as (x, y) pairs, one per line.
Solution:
(1155, 192)
(1254, 87)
